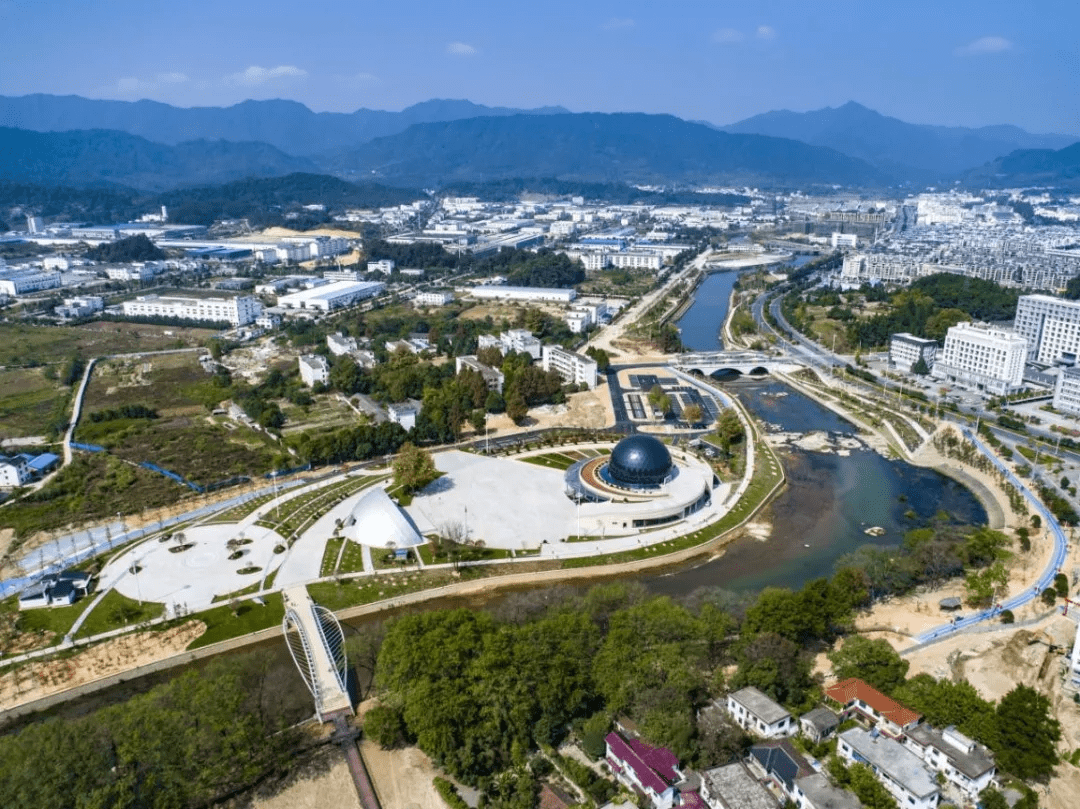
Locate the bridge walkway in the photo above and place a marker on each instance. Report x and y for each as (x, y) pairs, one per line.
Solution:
(317, 648)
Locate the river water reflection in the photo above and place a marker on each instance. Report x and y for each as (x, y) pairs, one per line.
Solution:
(829, 502)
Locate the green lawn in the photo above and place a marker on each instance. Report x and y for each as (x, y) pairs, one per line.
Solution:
(552, 460)
(116, 611)
(21, 344)
(221, 624)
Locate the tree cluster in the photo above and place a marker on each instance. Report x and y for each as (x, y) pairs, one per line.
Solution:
(133, 248)
(186, 743)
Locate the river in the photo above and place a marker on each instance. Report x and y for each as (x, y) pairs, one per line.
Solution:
(818, 517)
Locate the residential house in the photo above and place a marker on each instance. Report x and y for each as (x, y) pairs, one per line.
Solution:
(964, 763)
(14, 471)
(755, 711)
(817, 792)
(862, 701)
(733, 787)
(900, 771)
(818, 724)
(779, 762)
(653, 771)
(493, 377)
(404, 414)
(314, 369)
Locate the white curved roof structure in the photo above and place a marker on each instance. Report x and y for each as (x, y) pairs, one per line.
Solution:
(376, 521)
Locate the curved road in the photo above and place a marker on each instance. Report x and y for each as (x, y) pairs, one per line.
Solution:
(1045, 580)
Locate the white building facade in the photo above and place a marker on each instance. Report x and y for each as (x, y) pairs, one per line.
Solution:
(1051, 326)
(984, 358)
(238, 311)
(905, 350)
(573, 368)
(900, 771)
(755, 711)
(314, 369)
(1067, 392)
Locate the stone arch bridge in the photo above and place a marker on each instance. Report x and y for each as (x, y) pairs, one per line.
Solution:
(708, 363)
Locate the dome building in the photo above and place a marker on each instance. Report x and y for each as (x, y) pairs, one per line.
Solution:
(639, 460)
(638, 486)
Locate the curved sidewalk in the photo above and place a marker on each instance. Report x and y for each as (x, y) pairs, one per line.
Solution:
(1027, 596)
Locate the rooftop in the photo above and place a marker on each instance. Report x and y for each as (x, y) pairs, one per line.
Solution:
(655, 767)
(760, 705)
(824, 795)
(733, 787)
(821, 718)
(973, 761)
(893, 759)
(852, 689)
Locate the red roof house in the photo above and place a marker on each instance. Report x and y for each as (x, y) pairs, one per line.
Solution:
(654, 771)
(858, 698)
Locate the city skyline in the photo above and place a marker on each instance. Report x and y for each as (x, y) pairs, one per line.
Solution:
(968, 64)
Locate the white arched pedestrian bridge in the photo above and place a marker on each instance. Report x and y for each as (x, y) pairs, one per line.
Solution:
(317, 646)
(743, 362)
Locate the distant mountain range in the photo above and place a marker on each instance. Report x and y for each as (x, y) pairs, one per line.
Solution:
(152, 146)
(596, 147)
(917, 151)
(1026, 167)
(101, 157)
(288, 125)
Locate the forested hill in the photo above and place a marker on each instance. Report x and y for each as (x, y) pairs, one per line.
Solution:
(596, 147)
(929, 306)
(263, 202)
(287, 125)
(917, 150)
(1059, 168)
(107, 158)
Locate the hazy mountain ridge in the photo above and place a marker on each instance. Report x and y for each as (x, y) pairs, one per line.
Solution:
(1026, 167)
(287, 125)
(923, 152)
(107, 157)
(596, 147)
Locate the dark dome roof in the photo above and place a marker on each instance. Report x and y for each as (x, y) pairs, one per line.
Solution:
(640, 459)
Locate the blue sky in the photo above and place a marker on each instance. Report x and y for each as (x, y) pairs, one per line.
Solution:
(943, 62)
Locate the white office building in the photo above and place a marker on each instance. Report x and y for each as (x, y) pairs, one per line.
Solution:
(1067, 392)
(385, 266)
(573, 368)
(133, 272)
(238, 311)
(21, 282)
(83, 306)
(433, 298)
(314, 369)
(328, 297)
(525, 294)
(983, 358)
(905, 350)
(1051, 326)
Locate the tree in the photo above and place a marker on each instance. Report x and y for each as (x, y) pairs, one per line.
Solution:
(516, 408)
(386, 726)
(869, 789)
(1027, 733)
(659, 400)
(414, 468)
(776, 666)
(874, 661)
(693, 414)
(920, 367)
(729, 428)
(1061, 585)
(603, 359)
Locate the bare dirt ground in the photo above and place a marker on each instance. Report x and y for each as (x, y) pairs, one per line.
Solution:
(40, 679)
(322, 783)
(402, 778)
(588, 409)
